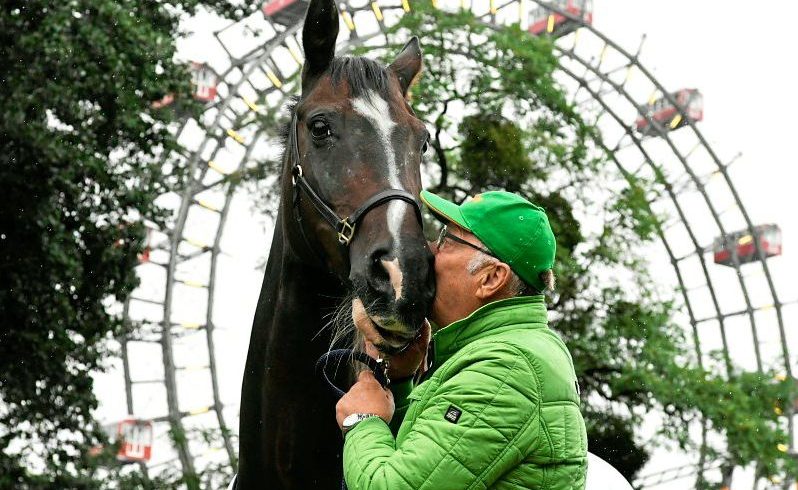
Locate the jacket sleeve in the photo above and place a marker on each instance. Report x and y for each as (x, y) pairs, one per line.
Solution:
(400, 392)
(496, 392)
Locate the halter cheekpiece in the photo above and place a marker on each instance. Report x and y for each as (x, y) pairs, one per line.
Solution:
(344, 227)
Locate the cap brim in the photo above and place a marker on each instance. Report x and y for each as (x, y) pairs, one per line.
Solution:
(444, 210)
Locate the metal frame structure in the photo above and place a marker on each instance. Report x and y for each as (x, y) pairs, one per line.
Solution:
(253, 81)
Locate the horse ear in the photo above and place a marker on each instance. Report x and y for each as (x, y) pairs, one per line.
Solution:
(407, 64)
(319, 34)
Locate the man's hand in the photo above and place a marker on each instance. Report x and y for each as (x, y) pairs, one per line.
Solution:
(407, 362)
(365, 396)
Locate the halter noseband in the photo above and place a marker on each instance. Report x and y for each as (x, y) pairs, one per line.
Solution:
(344, 227)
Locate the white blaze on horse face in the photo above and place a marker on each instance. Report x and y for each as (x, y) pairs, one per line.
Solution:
(395, 274)
(375, 109)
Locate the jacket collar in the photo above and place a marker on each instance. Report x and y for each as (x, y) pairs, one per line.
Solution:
(491, 319)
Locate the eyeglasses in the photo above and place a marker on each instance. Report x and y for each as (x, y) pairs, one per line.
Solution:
(444, 234)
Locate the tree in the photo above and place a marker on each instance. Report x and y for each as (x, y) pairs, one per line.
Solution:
(83, 156)
(499, 120)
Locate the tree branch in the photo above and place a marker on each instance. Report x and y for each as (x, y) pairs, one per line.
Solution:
(439, 151)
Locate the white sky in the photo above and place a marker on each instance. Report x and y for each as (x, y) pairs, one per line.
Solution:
(740, 57)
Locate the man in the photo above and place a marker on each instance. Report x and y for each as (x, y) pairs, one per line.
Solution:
(499, 406)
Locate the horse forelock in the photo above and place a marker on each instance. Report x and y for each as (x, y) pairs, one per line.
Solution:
(361, 75)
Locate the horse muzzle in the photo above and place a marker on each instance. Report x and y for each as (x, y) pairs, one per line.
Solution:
(389, 334)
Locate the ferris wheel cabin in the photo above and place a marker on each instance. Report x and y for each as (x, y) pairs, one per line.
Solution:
(285, 12)
(135, 438)
(204, 81)
(545, 21)
(203, 85)
(667, 114)
(741, 244)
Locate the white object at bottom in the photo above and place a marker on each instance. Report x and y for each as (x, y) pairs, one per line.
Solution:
(602, 476)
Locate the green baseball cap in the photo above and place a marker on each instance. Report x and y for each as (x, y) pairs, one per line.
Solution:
(514, 229)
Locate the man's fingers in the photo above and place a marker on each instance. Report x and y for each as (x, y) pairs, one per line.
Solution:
(426, 333)
(372, 350)
(421, 342)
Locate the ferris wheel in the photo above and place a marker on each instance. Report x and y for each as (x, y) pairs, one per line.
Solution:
(717, 254)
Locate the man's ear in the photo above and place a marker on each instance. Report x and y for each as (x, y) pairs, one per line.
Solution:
(407, 64)
(319, 34)
(493, 281)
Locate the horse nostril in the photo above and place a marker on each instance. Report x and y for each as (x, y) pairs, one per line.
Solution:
(407, 287)
(379, 276)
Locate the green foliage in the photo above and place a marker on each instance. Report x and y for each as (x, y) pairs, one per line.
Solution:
(498, 120)
(612, 439)
(82, 159)
(488, 139)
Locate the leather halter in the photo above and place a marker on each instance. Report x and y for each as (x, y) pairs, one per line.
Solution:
(344, 227)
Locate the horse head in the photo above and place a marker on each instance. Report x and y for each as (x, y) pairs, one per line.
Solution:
(358, 146)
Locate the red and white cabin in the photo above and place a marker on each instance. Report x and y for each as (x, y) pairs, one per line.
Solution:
(204, 81)
(742, 244)
(136, 440)
(545, 21)
(144, 256)
(285, 12)
(667, 115)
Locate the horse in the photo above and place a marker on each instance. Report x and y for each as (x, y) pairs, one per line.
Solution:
(348, 225)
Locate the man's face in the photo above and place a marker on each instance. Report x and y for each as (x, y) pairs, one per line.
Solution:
(455, 297)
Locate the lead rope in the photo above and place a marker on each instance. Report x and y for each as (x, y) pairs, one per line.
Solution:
(379, 367)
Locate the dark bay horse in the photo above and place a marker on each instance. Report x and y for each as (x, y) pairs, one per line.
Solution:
(353, 150)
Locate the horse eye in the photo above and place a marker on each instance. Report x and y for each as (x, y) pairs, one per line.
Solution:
(320, 130)
(426, 146)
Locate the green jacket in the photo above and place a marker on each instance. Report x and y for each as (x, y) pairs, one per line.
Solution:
(499, 409)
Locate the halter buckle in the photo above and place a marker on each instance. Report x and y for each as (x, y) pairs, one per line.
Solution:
(383, 365)
(346, 231)
(296, 173)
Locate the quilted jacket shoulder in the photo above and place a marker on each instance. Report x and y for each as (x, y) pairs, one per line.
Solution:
(500, 409)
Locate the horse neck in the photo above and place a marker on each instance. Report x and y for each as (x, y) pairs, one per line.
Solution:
(294, 297)
(283, 410)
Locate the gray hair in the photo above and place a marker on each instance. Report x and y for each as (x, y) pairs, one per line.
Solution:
(516, 286)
